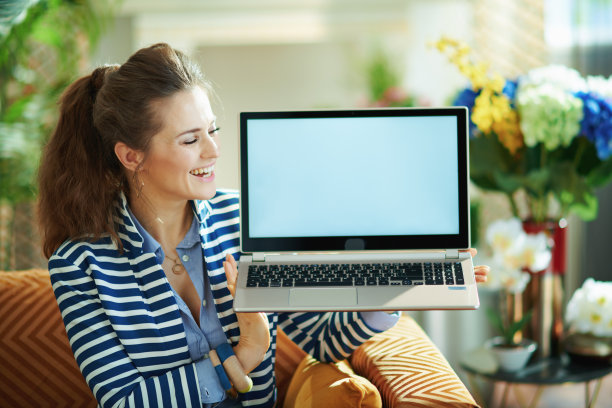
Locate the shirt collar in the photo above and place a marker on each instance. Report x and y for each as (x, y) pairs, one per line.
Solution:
(139, 237)
(149, 244)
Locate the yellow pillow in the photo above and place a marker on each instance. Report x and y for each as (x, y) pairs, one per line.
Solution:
(318, 385)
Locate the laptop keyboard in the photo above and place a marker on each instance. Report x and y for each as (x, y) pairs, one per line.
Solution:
(387, 274)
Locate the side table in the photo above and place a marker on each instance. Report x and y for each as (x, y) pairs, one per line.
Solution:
(541, 373)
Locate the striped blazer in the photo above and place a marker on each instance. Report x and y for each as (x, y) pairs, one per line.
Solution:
(124, 325)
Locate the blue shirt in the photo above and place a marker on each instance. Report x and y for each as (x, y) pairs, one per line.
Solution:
(209, 334)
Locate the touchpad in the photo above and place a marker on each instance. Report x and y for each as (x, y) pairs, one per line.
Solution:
(323, 297)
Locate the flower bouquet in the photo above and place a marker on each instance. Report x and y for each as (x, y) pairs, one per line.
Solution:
(545, 136)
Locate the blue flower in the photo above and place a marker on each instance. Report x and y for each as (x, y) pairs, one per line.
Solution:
(466, 98)
(596, 124)
(510, 90)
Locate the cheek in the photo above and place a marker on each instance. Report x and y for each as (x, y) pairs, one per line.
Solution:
(169, 167)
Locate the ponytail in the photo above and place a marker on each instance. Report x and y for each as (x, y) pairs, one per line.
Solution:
(79, 178)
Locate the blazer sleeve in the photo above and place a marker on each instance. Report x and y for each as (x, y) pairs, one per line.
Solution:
(103, 360)
(328, 337)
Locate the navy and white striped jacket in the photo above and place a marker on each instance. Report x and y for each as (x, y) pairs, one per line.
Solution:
(125, 328)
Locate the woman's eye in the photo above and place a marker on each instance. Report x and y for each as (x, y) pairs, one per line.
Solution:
(191, 141)
(213, 131)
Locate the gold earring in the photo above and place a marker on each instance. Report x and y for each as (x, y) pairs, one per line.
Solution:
(140, 183)
(139, 192)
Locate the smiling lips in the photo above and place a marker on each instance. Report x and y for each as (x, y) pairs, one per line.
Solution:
(203, 171)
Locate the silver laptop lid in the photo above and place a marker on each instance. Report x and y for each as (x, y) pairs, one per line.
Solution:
(368, 179)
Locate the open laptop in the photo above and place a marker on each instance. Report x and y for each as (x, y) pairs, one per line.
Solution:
(355, 210)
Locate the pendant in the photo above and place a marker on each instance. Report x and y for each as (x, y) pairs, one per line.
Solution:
(177, 268)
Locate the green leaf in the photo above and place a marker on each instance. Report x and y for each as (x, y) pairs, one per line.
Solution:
(491, 165)
(507, 330)
(12, 12)
(15, 112)
(495, 320)
(537, 180)
(601, 174)
(508, 182)
(48, 35)
(586, 208)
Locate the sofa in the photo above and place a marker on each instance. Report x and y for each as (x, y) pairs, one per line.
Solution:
(398, 368)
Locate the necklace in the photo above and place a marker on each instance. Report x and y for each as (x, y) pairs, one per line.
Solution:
(178, 267)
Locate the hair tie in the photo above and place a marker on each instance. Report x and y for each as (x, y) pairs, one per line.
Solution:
(96, 79)
(225, 382)
(233, 368)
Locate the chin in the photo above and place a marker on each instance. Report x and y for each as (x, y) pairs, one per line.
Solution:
(208, 194)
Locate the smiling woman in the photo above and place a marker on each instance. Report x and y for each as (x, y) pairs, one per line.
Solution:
(142, 247)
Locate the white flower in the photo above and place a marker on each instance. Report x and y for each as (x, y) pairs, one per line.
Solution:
(535, 253)
(590, 308)
(600, 85)
(504, 276)
(513, 252)
(502, 234)
(559, 76)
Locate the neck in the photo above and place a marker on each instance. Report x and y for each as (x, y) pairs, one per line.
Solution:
(166, 221)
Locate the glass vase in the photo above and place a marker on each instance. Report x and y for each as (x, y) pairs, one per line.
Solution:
(544, 293)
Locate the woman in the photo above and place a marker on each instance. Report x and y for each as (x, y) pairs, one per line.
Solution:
(141, 246)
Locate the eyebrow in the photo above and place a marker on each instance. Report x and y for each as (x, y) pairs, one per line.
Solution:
(195, 129)
(189, 131)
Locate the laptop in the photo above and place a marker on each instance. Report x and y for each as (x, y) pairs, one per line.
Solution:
(351, 210)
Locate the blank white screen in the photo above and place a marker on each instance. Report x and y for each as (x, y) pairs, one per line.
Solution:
(353, 176)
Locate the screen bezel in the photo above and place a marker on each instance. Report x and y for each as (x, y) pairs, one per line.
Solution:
(250, 244)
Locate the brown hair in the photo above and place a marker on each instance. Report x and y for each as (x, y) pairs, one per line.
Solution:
(80, 176)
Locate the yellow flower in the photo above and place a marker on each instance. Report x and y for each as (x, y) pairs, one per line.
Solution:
(492, 112)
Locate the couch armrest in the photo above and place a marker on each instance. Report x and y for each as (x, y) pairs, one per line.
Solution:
(409, 370)
(37, 367)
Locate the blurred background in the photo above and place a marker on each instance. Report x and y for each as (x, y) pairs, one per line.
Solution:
(293, 54)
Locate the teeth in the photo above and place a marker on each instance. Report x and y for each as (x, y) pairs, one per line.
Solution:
(203, 170)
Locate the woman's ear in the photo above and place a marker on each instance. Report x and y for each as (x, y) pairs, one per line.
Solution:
(130, 158)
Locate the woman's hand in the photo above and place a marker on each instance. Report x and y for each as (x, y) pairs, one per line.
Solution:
(481, 271)
(254, 329)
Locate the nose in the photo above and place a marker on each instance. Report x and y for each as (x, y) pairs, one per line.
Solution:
(210, 148)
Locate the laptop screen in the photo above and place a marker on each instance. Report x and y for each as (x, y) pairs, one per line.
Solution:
(362, 179)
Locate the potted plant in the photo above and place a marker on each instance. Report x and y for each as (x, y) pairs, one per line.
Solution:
(511, 354)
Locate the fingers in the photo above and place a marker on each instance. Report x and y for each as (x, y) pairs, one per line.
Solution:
(473, 251)
(231, 273)
(481, 273)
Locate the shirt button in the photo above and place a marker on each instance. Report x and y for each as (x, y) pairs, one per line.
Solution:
(204, 303)
(185, 258)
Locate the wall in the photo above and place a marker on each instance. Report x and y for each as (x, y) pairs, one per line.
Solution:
(307, 54)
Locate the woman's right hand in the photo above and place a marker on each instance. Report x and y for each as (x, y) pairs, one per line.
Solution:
(254, 327)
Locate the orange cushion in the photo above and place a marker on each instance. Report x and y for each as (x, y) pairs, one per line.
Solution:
(319, 385)
(288, 357)
(409, 370)
(37, 368)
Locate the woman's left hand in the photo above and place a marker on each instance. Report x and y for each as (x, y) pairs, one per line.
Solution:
(481, 271)
(254, 327)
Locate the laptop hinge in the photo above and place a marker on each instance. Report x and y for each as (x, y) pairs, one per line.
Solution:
(452, 254)
(259, 257)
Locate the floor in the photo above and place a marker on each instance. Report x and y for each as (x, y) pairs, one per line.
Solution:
(560, 396)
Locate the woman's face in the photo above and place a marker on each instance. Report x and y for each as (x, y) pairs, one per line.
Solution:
(180, 164)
